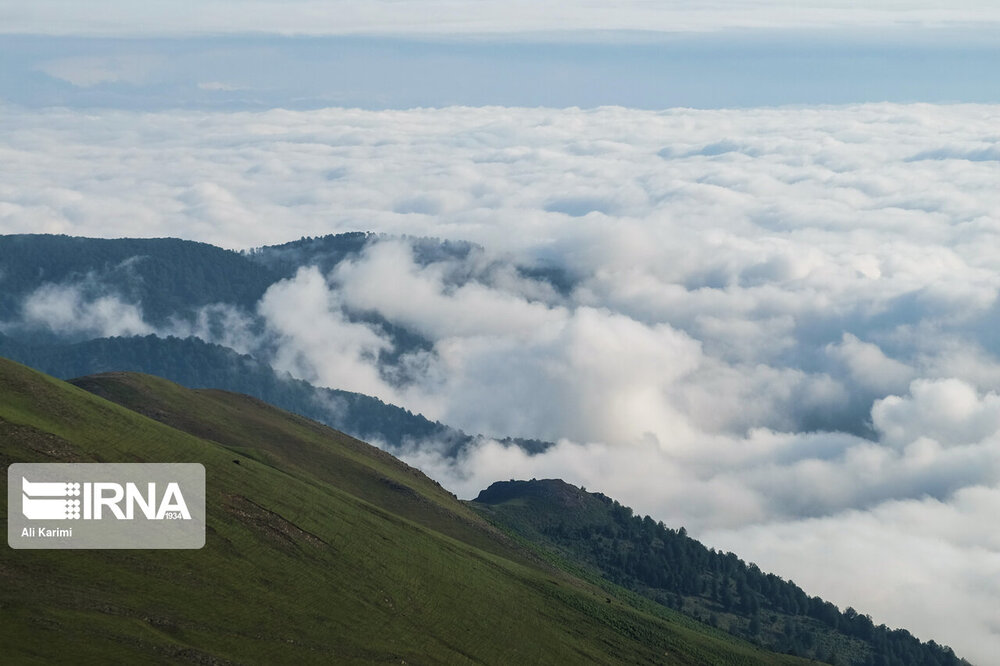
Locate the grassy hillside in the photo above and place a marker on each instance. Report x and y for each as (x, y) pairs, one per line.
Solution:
(597, 537)
(320, 549)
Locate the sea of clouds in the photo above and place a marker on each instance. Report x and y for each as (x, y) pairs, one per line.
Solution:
(777, 327)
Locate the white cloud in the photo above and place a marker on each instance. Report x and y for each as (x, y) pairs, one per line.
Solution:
(869, 366)
(89, 71)
(67, 310)
(219, 323)
(219, 86)
(949, 411)
(387, 280)
(314, 340)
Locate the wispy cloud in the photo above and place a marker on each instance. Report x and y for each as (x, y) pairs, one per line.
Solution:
(69, 310)
(89, 71)
(219, 86)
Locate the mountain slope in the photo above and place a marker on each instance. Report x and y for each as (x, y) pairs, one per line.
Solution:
(293, 444)
(593, 533)
(319, 549)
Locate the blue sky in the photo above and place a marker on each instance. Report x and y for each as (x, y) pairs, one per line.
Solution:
(732, 68)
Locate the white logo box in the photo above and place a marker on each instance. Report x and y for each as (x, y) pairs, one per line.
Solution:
(106, 505)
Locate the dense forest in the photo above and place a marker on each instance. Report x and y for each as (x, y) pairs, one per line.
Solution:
(166, 276)
(325, 252)
(670, 567)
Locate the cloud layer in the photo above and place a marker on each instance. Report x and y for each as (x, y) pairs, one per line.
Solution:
(774, 326)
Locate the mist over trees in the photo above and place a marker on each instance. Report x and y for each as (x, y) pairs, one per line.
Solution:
(194, 363)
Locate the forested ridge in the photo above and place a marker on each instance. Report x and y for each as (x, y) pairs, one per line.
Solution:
(668, 566)
(166, 276)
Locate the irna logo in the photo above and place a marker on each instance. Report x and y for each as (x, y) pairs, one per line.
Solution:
(47, 500)
(106, 505)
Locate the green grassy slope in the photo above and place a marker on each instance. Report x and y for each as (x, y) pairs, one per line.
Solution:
(293, 444)
(319, 549)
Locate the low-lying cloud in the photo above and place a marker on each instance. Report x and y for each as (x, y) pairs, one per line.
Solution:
(774, 326)
(69, 311)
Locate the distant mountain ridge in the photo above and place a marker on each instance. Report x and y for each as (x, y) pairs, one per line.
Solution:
(326, 252)
(168, 276)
